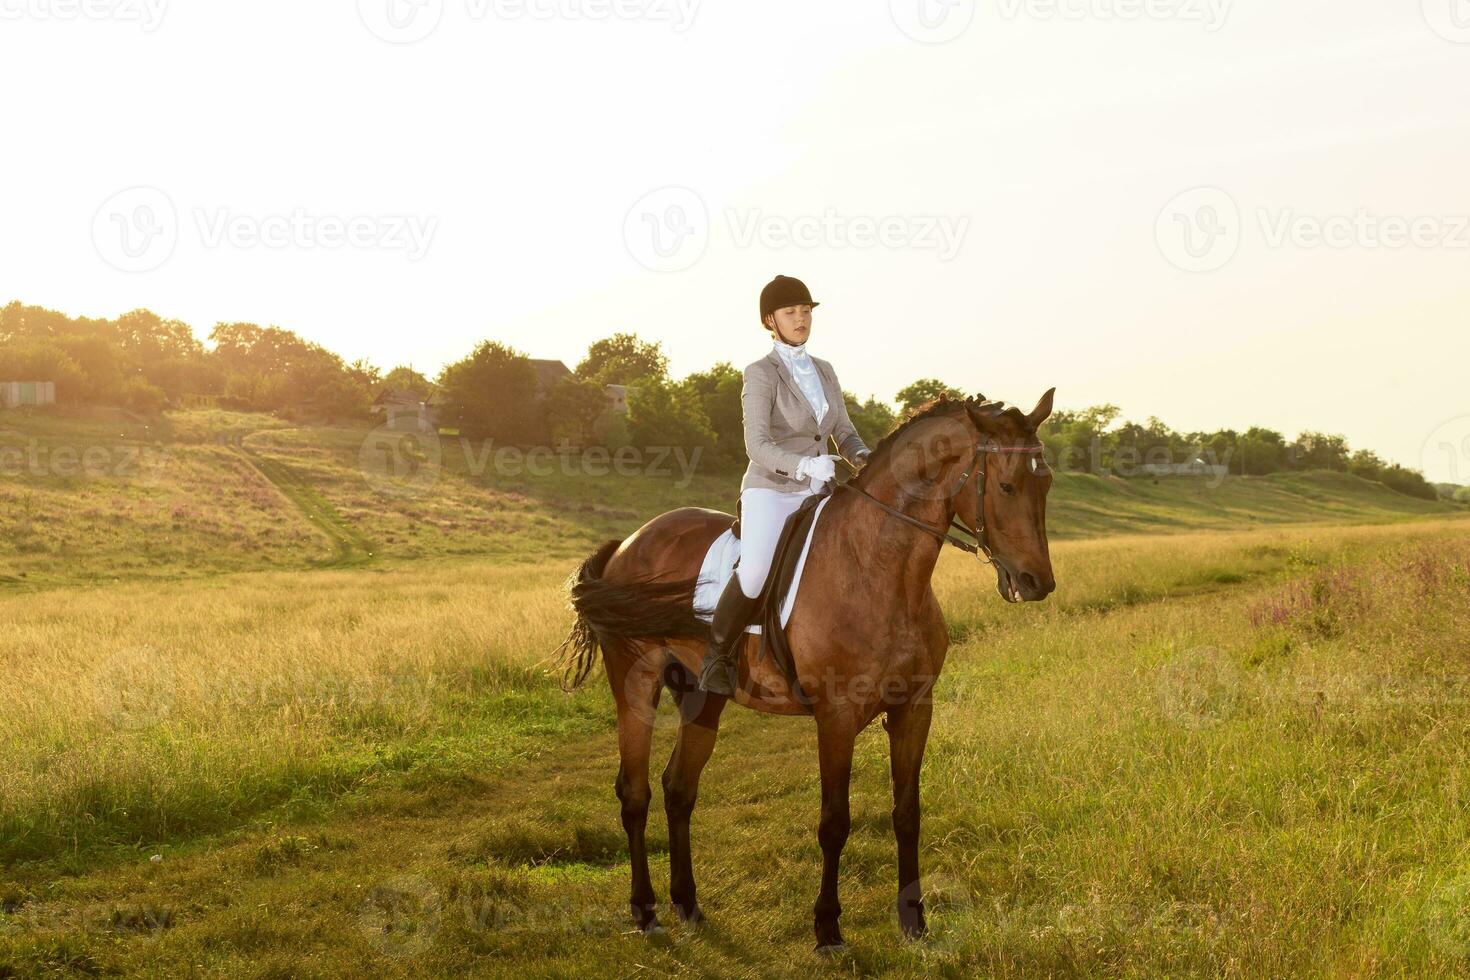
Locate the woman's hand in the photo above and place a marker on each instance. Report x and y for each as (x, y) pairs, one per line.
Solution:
(819, 469)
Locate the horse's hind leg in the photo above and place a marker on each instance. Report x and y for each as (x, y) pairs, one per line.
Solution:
(699, 723)
(635, 684)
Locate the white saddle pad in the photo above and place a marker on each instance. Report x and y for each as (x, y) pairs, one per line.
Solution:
(719, 565)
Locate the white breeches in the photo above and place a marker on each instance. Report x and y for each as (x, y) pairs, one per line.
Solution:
(763, 513)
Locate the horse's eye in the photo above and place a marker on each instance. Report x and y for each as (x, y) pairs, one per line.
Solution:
(1006, 488)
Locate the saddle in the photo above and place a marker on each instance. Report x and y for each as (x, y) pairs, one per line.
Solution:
(778, 584)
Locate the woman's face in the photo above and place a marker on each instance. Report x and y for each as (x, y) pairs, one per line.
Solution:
(794, 323)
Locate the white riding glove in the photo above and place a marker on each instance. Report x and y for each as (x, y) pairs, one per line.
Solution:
(818, 469)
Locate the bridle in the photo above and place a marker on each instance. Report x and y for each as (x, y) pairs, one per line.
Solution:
(981, 531)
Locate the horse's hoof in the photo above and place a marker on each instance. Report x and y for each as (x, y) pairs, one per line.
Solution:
(690, 917)
(645, 921)
(829, 938)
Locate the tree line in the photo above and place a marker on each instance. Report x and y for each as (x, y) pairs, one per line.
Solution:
(146, 363)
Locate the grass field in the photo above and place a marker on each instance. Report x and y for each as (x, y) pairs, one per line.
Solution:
(1212, 752)
(101, 496)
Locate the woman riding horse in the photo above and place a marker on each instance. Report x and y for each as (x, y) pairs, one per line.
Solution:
(792, 403)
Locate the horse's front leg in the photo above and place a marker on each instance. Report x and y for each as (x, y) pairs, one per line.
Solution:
(908, 731)
(835, 739)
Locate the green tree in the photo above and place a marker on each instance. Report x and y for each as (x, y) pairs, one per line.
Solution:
(573, 408)
(346, 397)
(143, 397)
(491, 394)
(872, 419)
(33, 360)
(661, 413)
(1079, 440)
(923, 390)
(407, 379)
(1318, 451)
(1261, 451)
(717, 392)
(623, 359)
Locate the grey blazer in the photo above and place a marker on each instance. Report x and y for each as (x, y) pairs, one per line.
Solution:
(780, 427)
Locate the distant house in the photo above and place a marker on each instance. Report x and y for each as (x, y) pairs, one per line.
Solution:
(548, 373)
(14, 394)
(617, 398)
(404, 410)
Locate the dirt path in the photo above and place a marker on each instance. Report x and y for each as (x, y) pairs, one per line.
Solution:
(350, 548)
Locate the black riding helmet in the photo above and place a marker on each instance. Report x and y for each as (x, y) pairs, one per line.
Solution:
(784, 291)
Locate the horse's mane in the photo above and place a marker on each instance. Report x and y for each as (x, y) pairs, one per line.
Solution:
(943, 406)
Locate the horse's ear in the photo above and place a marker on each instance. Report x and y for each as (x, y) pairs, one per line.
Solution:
(1042, 410)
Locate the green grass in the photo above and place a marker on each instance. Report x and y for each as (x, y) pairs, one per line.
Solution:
(1238, 753)
(1232, 743)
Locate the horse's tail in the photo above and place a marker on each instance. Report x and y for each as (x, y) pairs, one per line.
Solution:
(611, 614)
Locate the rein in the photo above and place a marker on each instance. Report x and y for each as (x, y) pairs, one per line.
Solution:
(980, 532)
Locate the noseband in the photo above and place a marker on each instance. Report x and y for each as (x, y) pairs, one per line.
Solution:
(980, 532)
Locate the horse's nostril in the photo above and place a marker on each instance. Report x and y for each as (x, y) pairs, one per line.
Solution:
(1029, 581)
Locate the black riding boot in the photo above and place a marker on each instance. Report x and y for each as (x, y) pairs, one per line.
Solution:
(732, 614)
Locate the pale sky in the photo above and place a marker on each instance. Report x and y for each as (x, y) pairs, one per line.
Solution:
(988, 193)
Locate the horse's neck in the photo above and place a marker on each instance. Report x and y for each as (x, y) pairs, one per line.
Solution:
(895, 555)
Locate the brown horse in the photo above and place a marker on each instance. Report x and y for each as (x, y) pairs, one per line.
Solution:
(866, 632)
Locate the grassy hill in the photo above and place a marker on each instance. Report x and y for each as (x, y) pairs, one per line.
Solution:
(99, 495)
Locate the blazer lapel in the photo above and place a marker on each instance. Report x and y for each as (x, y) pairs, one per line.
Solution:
(791, 383)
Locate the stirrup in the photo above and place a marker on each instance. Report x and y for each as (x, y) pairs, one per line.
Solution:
(719, 675)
